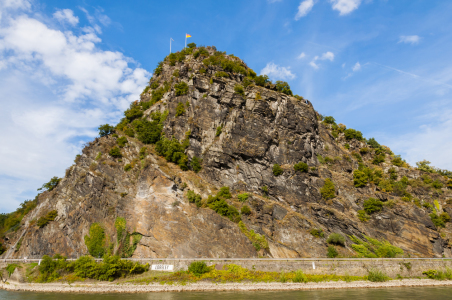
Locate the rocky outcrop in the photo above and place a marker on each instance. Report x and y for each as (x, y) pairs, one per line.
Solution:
(239, 138)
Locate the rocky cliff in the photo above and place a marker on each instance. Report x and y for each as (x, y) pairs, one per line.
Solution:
(152, 188)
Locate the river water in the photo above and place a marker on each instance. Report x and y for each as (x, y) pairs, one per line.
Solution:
(417, 293)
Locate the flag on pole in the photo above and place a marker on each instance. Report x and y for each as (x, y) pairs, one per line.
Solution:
(187, 35)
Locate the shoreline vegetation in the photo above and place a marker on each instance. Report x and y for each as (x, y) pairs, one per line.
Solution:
(113, 275)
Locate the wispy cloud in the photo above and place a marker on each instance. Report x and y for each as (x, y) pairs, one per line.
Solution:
(66, 16)
(409, 39)
(302, 55)
(345, 6)
(325, 56)
(277, 72)
(304, 8)
(356, 67)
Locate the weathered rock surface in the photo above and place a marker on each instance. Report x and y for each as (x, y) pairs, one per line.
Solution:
(255, 135)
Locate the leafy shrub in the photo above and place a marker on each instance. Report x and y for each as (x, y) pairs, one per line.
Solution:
(259, 242)
(372, 205)
(173, 151)
(328, 190)
(346, 146)
(221, 74)
(243, 197)
(219, 129)
(201, 52)
(277, 170)
(191, 45)
(374, 248)
(373, 143)
(397, 161)
(357, 156)
(299, 277)
(375, 275)
(115, 152)
(122, 141)
(261, 80)
(336, 239)
(246, 82)
(224, 193)
(181, 88)
(378, 159)
(127, 167)
(329, 120)
(360, 178)
(245, 210)
(129, 132)
(198, 268)
(53, 183)
(425, 166)
(353, 134)
(239, 90)
(301, 166)
(159, 69)
(96, 241)
(154, 85)
(282, 86)
(134, 112)
(317, 233)
(364, 150)
(363, 216)
(194, 198)
(106, 129)
(221, 207)
(265, 190)
(196, 164)
(440, 220)
(176, 73)
(44, 220)
(437, 184)
(332, 252)
(180, 109)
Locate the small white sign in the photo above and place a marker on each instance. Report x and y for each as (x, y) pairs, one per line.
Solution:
(162, 267)
(313, 265)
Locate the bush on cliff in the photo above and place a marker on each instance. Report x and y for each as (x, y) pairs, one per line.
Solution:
(194, 198)
(44, 220)
(96, 241)
(353, 134)
(373, 248)
(196, 164)
(336, 239)
(180, 109)
(53, 183)
(245, 210)
(332, 252)
(181, 88)
(372, 205)
(115, 152)
(328, 190)
(277, 170)
(282, 86)
(301, 167)
(173, 151)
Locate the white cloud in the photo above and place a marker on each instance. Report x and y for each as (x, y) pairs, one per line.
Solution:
(304, 8)
(63, 85)
(302, 55)
(66, 15)
(325, 56)
(409, 39)
(16, 4)
(314, 65)
(345, 6)
(277, 72)
(356, 67)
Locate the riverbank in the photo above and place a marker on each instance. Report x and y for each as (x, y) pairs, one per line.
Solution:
(208, 286)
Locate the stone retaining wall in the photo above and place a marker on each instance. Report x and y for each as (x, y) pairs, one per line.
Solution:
(355, 267)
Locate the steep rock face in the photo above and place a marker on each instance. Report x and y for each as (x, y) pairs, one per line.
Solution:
(239, 138)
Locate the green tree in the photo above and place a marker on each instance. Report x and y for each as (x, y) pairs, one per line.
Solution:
(53, 183)
(282, 86)
(191, 45)
(106, 129)
(353, 134)
(96, 240)
(196, 164)
(301, 167)
(372, 205)
(115, 152)
(181, 88)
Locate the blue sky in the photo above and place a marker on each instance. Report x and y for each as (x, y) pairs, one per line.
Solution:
(379, 66)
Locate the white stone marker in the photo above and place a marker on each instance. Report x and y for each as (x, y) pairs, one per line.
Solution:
(313, 265)
(162, 267)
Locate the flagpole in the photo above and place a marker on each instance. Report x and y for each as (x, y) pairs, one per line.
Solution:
(170, 45)
(185, 40)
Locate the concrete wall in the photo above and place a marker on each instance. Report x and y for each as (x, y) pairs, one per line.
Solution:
(406, 267)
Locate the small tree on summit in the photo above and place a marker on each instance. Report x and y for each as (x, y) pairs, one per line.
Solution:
(51, 184)
(106, 129)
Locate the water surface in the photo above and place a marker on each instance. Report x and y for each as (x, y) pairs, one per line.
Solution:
(417, 293)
